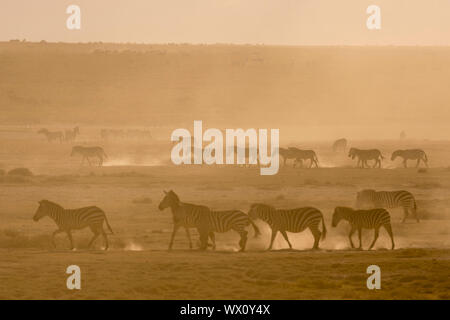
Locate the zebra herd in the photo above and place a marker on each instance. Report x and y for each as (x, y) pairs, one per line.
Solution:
(69, 135)
(362, 155)
(370, 214)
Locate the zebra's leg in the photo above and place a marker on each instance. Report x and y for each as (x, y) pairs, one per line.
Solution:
(95, 236)
(405, 163)
(415, 214)
(100, 163)
(360, 238)
(89, 161)
(316, 233)
(350, 236)
(174, 231)
(212, 236)
(286, 238)
(243, 241)
(377, 231)
(203, 240)
(272, 238)
(53, 236)
(418, 162)
(389, 231)
(69, 234)
(105, 237)
(188, 235)
(405, 215)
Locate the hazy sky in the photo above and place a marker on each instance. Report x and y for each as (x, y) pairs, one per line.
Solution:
(291, 22)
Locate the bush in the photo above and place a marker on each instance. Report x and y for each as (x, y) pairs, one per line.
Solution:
(24, 172)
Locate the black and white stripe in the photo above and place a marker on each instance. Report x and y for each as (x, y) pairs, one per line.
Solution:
(340, 145)
(73, 219)
(411, 154)
(290, 220)
(388, 199)
(205, 220)
(366, 155)
(364, 219)
(52, 135)
(89, 152)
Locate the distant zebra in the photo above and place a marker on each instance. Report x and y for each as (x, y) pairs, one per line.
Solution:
(364, 219)
(286, 154)
(52, 135)
(301, 155)
(73, 219)
(88, 152)
(411, 154)
(290, 220)
(365, 155)
(205, 220)
(340, 145)
(70, 135)
(388, 199)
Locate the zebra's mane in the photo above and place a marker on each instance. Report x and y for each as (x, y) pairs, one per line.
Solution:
(50, 203)
(174, 196)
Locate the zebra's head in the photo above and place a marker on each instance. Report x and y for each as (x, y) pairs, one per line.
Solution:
(170, 199)
(396, 154)
(42, 211)
(352, 153)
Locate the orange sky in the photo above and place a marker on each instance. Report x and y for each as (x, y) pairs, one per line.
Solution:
(290, 22)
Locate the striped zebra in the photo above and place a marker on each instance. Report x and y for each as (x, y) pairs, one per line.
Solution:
(365, 155)
(301, 155)
(88, 152)
(411, 154)
(52, 135)
(74, 219)
(364, 219)
(71, 135)
(205, 220)
(290, 220)
(340, 145)
(388, 199)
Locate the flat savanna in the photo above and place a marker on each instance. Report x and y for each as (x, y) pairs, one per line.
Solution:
(138, 266)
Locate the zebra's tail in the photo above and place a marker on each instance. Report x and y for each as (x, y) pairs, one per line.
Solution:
(104, 154)
(425, 156)
(109, 227)
(257, 232)
(324, 229)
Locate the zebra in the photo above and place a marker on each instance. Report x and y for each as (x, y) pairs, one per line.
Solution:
(301, 155)
(52, 135)
(87, 152)
(205, 220)
(70, 135)
(286, 154)
(367, 219)
(388, 199)
(290, 220)
(74, 219)
(411, 154)
(365, 155)
(340, 144)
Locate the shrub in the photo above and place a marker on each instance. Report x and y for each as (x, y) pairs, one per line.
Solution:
(24, 172)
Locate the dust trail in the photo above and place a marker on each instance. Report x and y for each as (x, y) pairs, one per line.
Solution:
(132, 246)
(124, 162)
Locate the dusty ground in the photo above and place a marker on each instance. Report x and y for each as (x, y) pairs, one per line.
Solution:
(139, 266)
